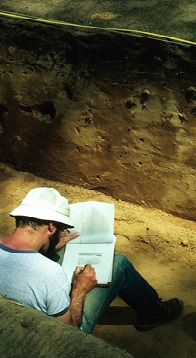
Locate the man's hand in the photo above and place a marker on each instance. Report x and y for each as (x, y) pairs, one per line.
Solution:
(84, 279)
(65, 238)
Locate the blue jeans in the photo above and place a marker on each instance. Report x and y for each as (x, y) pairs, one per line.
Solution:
(128, 284)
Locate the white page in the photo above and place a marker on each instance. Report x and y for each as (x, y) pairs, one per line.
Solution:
(100, 256)
(93, 220)
(95, 245)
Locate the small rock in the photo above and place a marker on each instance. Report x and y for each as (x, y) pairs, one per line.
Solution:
(190, 94)
(130, 104)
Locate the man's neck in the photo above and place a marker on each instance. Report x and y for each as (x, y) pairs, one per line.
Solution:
(17, 245)
(24, 239)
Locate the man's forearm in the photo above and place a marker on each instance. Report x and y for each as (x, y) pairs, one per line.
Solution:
(76, 307)
(74, 316)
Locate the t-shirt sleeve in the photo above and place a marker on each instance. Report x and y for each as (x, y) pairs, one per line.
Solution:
(58, 300)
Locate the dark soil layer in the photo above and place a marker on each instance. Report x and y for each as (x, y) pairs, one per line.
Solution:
(104, 110)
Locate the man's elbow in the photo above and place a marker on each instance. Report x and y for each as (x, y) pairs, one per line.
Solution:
(66, 319)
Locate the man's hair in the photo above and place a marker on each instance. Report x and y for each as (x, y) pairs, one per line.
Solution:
(22, 221)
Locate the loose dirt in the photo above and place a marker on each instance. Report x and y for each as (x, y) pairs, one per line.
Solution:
(161, 246)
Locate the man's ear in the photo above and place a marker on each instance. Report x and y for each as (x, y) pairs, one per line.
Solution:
(51, 228)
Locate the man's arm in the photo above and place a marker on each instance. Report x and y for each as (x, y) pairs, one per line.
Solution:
(83, 282)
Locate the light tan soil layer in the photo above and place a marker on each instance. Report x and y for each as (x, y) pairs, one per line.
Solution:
(161, 246)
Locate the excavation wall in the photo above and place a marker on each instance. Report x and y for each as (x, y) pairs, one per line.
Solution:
(100, 109)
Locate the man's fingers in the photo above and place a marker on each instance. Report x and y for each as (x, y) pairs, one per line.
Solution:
(78, 269)
(70, 236)
(64, 239)
(87, 268)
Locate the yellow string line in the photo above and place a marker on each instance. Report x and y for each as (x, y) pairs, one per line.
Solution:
(63, 23)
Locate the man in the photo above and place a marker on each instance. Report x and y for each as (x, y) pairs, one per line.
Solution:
(27, 275)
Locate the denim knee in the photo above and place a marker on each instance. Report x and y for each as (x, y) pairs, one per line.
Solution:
(122, 261)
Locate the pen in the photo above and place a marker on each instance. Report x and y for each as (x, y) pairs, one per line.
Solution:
(82, 269)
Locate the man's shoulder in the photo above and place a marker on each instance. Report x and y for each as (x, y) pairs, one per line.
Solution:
(46, 261)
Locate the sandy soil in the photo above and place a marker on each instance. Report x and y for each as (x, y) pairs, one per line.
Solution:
(161, 246)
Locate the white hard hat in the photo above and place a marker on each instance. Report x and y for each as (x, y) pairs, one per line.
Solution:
(45, 204)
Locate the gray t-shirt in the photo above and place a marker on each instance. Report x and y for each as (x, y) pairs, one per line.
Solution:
(34, 280)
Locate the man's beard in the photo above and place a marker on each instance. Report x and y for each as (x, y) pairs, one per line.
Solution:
(54, 240)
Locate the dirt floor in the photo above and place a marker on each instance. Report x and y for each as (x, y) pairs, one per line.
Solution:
(161, 246)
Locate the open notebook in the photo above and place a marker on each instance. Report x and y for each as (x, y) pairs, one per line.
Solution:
(95, 245)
